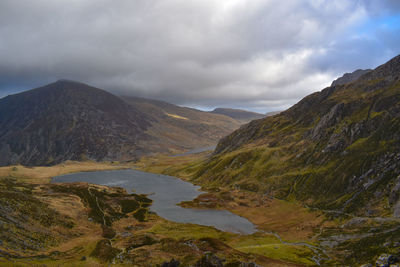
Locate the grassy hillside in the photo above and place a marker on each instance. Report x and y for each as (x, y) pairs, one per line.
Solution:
(338, 238)
(325, 171)
(337, 149)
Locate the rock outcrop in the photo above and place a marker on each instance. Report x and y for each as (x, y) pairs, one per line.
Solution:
(349, 77)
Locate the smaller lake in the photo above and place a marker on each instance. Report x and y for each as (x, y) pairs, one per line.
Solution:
(166, 192)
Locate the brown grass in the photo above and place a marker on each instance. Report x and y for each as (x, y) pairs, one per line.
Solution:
(43, 174)
(289, 219)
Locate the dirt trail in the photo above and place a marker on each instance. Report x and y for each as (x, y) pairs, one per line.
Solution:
(98, 205)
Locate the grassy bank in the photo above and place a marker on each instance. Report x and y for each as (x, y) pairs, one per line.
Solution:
(43, 174)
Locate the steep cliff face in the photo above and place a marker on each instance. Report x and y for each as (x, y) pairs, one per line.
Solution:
(338, 148)
(68, 120)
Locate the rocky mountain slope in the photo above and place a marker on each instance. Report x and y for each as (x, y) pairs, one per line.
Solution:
(336, 149)
(176, 128)
(68, 120)
(243, 116)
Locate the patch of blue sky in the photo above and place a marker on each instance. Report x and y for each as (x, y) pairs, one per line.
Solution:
(373, 24)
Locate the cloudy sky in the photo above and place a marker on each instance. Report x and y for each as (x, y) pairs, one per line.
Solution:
(262, 55)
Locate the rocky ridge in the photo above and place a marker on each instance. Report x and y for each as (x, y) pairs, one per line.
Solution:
(349, 77)
(346, 136)
(69, 120)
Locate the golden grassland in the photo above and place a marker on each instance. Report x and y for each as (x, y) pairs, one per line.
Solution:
(43, 174)
(175, 116)
(290, 220)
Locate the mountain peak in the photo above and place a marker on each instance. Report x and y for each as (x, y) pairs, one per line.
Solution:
(68, 120)
(67, 81)
(389, 70)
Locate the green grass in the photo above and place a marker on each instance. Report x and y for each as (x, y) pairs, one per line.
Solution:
(180, 231)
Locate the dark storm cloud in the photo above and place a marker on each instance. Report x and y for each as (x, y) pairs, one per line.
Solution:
(260, 54)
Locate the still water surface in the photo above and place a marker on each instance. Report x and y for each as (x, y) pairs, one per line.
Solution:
(166, 192)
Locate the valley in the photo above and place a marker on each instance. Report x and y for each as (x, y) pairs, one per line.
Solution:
(69, 120)
(202, 133)
(316, 184)
(75, 221)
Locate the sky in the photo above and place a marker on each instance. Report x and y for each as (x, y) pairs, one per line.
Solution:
(261, 55)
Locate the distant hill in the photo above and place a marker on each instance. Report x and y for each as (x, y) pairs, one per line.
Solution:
(272, 113)
(337, 149)
(176, 128)
(69, 120)
(240, 115)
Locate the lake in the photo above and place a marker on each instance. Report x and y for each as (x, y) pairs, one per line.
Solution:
(166, 192)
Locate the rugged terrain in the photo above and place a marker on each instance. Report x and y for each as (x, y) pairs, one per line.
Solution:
(80, 224)
(319, 180)
(68, 120)
(336, 151)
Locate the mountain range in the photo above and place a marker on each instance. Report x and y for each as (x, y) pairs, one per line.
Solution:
(69, 120)
(320, 181)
